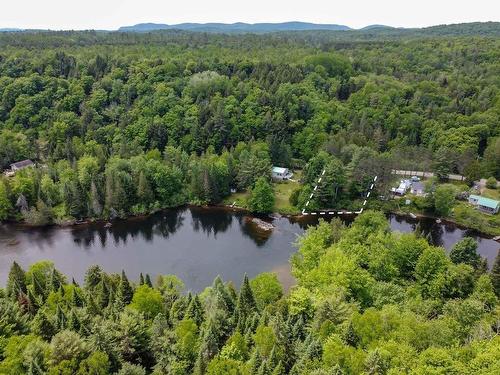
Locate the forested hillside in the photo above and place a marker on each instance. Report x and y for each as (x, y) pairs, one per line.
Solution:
(121, 123)
(368, 301)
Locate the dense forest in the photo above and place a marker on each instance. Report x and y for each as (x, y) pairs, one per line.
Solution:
(125, 123)
(367, 301)
(122, 124)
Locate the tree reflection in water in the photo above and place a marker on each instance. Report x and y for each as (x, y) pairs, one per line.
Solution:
(164, 224)
(211, 220)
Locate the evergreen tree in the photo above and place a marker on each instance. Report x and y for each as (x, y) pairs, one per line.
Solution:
(61, 320)
(42, 326)
(147, 281)
(39, 290)
(16, 282)
(125, 291)
(74, 321)
(102, 295)
(195, 310)
(246, 304)
(33, 304)
(76, 299)
(93, 277)
(141, 279)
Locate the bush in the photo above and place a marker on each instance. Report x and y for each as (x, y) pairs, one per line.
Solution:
(491, 183)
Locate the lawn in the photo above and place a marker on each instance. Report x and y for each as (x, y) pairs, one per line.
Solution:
(240, 198)
(282, 192)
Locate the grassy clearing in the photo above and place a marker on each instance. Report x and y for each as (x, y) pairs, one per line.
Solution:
(491, 193)
(240, 198)
(282, 192)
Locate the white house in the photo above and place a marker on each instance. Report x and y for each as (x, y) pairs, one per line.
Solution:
(279, 173)
(486, 205)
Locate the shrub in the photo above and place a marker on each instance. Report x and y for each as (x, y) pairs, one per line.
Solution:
(491, 183)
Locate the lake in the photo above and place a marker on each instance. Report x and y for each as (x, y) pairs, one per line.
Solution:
(196, 244)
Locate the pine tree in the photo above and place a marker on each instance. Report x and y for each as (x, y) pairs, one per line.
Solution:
(39, 290)
(279, 369)
(74, 321)
(33, 304)
(246, 304)
(351, 338)
(147, 281)
(125, 291)
(54, 281)
(495, 274)
(195, 310)
(223, 297)
(76, 299)
(42, 326)
(141, 279)
(102, 296)
(254, 362)
(263, 369)
(16, 282)
(91, 305)
(61, 320)
(93, 277)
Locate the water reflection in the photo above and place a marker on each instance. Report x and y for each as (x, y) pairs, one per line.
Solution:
(211, 220)
(197, 244)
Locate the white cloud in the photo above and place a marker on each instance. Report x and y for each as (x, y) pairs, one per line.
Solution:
(111, 14)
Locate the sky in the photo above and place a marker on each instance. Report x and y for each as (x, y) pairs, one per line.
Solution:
(111, 14)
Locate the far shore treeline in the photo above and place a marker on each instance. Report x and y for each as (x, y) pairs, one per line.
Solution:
(124, 123)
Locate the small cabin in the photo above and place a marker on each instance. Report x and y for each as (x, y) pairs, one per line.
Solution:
(486, 205)
(17, 166)
(279, 173)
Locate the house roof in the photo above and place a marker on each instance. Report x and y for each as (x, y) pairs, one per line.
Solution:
(486, 202)
(279, 170)
(22, 164)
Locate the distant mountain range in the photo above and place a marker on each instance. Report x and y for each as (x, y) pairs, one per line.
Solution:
(238, 27)
(335, 31)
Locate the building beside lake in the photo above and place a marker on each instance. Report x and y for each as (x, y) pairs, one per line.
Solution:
(17, 166)
(279, 173)
(483, 204)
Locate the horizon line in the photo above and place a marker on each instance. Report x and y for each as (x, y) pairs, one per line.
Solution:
(18, 28)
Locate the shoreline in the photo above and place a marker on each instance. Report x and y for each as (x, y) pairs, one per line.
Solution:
(299, 216)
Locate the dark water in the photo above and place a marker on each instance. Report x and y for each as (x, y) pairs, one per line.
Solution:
(196, 244)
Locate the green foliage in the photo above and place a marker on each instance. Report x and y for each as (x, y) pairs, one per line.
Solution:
(491, 183)
(444, 198)
(266, 289)
(127, 124)
(465, 251)
(366, 300)
(495, 274)
(261, 197)
(147, 301)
